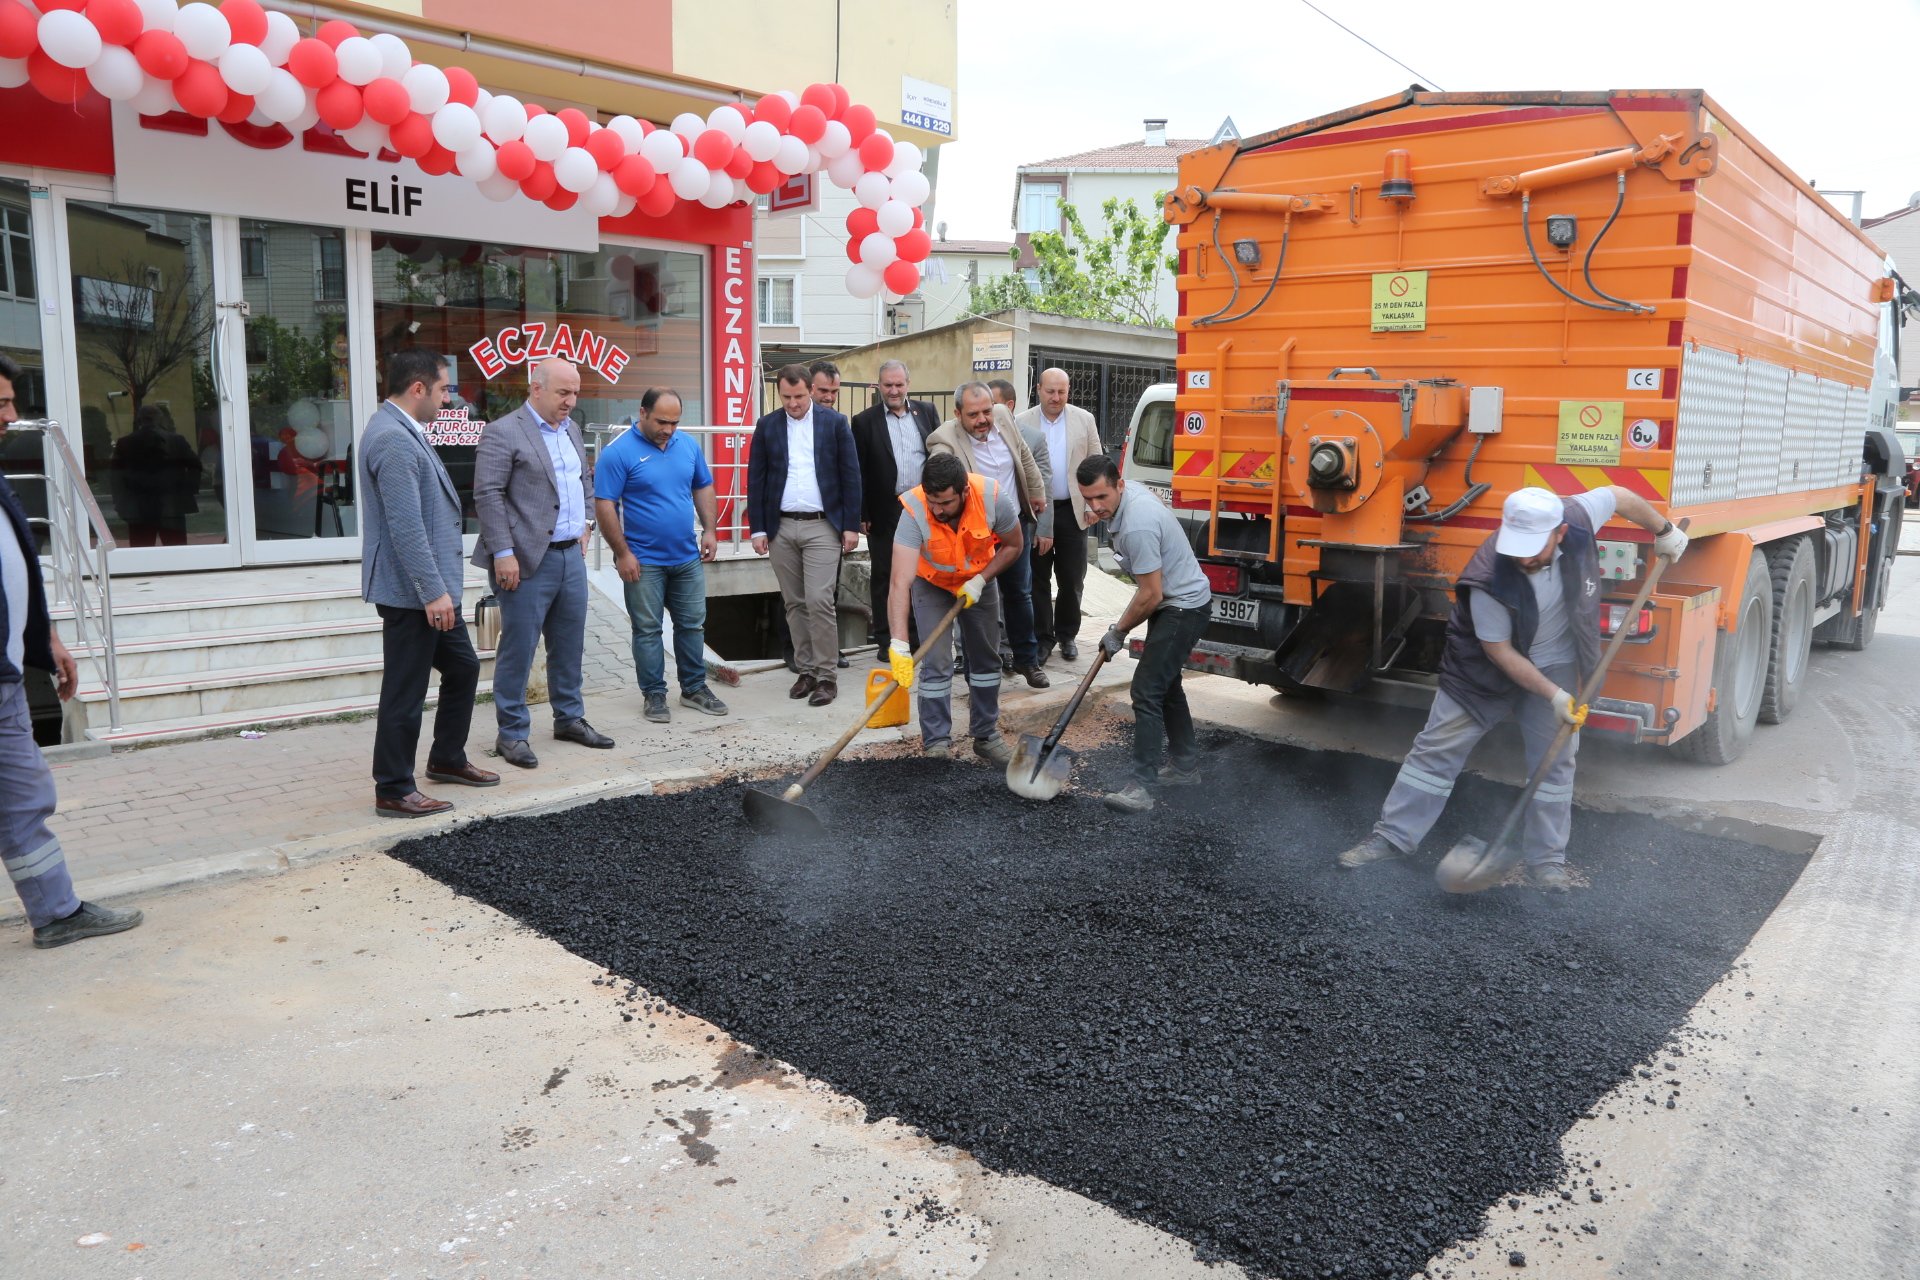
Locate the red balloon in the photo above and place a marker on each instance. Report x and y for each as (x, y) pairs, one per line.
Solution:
(239, 107)
(607, 149)
(919, 219)
(413, 136)
(863, 222)
(340, 105)
(658, 202)
(841, 100)
(48, 6)
(774, 110)
(387, 101)
(713, 149)
(461, 86)
(913, 246)
(876, 153)
(808, 123)
(539, 184)
(853, 248)
(635, 176)
(199, 89)
(576, 122)
(859, 121)
(901, 277)
(332, 33)
(312, 63)
(515, 159)
(741, 165)
(820, 98)
(159, 53)
(437, 161)
(19, 31)
(648, 126)
(60, 84)
(764, 178)
(246, 18)
(561, 200)
(534, 109)
(117, 21)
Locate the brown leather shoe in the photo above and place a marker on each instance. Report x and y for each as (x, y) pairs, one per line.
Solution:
(823, 693)
(802, 687)
(463, 775)
(413, 806)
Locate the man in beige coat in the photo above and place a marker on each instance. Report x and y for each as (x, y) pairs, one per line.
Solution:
(996, 451)
(1072, 437)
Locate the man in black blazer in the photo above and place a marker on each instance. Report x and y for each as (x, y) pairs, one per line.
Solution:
(803, 506)
(891, 438)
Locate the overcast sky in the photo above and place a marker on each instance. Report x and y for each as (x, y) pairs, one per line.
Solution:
(1832, 87)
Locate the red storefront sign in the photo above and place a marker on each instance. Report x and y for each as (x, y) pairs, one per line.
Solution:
(533, 342)
(733, 375)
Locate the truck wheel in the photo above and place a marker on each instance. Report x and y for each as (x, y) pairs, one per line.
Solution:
(1739, 675)
(1791, 566)
(1868, 623)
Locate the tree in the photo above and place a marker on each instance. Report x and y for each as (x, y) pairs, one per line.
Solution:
(289, 366)
(137, 333)
(1114, 277)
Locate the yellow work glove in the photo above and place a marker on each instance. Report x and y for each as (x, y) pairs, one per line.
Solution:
(1569, 712)
(900, 662)
(971, 590)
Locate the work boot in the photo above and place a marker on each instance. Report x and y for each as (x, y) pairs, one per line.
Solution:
(1552, 877)
(90, 921)
(1036, 678)
(657, 708)
(993, 750)
(1375, 848)
(702, 700)
(516, 752)
(941, 750)
(1172, 775)
(1132, 798)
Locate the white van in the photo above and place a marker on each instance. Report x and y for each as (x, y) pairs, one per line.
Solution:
(1147, 455)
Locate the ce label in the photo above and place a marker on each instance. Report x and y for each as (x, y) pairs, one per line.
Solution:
(1643, 379)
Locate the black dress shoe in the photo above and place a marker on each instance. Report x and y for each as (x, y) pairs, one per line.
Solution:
(583, 733)
(841, 663)
(517, 753)
(1069, 650)
(1036, 678)
(464, 775)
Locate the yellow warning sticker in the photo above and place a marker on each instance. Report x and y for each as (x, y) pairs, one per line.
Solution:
(1399, 301)
(1590, 433)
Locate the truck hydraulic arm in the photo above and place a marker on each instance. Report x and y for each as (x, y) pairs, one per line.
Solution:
(1696, 158)
(1186, 205)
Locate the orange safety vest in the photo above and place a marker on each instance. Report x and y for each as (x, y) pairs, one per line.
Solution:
(950, 555)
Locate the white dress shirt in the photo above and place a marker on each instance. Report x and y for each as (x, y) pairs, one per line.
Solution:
(1056, 431)
(995, 461)
(909, 451)
(802, 491)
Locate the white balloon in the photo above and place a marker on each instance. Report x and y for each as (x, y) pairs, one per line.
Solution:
(547, 137)
(13, 74)
(367, 137)
(729, 122)
(762, 141)
(154, 99)
(309, 114)
(245, 69)
(906, 158)
(395, 58)
(626, 206)
(303, 415)
(863, 281)
(480, 100)
(504, 118)
(479, 161)
(456, 127)
(792, 155)
(845, 170)
(158, 15)
(719, 194)
(358, 60)
(835, 141)
(631, 134)
(281, 36)
(116, 74)
(791, 98)
(204, 30)
(603, 197)
(690, 179)
(912, 188)
(69, 39)
(260, 118)
(878, 250)
(576, 169)
(873, 189)
(283, 98)
(662, 150)
(498, 186)
(895, 218)
(815, 161)
(688, 125)
(427, 88)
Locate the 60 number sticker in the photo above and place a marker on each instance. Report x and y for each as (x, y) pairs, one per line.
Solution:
(1644, 433)
(1196, 423)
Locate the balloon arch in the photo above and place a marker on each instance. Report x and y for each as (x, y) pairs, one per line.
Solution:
(240, 62)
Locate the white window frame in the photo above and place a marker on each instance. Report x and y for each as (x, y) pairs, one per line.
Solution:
(1029, 191)
(768, 280)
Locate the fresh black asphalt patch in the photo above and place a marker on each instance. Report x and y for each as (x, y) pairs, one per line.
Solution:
(1193, 1016)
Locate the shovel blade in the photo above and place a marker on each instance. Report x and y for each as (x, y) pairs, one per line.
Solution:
(1035, 773)
(1471, 867)
(773, 815)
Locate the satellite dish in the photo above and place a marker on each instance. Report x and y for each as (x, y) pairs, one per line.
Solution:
(941, 226)
(1913, 201)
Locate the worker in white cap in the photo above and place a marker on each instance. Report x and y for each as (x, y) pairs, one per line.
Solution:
(1523, 635)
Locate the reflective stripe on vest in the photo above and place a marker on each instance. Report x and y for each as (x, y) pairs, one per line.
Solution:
(950, 555)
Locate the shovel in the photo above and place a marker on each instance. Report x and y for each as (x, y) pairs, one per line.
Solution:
(1473, 865)
(784, 814)
(1041, 766)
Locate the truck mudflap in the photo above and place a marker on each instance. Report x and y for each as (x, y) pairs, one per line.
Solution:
(1236, 661)
(1636, 721)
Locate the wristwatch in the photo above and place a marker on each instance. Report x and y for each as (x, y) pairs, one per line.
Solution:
(1663, 530)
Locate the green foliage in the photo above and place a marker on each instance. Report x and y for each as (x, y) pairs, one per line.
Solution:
(1115, 277)
(284, 364)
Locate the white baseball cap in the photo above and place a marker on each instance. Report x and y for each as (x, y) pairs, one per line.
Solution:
(1528, 520)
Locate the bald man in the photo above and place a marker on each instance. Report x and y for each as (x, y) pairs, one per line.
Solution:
(534, 494)
(1060, 572)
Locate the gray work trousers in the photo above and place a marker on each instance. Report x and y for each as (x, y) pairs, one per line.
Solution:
(1440, 752)
(806, 564)
(30, 851)
(979, 628)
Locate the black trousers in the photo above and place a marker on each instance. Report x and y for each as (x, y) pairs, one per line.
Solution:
(880, 561)
(412, 650)
(1059, 577)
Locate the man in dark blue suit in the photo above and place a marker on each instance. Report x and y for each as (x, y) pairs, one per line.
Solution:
(803, 506)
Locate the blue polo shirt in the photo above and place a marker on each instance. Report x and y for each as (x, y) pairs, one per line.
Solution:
(654, 488)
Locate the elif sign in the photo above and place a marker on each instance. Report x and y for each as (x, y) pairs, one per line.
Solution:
(535, 341)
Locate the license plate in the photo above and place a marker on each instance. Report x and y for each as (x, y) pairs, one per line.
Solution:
(1241, 613)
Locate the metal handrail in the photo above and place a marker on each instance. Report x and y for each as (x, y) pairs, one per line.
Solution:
(74, 560)
(729, 474)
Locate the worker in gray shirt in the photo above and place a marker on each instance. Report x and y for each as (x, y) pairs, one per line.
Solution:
(1172, 597)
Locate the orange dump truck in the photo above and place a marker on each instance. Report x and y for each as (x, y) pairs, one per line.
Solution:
(1392, 317)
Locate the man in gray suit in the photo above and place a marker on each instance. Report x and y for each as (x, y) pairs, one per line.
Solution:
(533, 492)
(410, 572)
